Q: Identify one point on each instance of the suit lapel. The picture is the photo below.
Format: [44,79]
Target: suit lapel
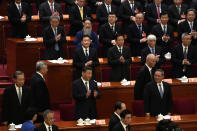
[129,7]
[51,31]
[157,90]
[84,87]
[48,8]
[82,54]
[164,90]
[17,10]
[15,93]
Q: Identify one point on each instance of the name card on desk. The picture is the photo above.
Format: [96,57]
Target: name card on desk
[176,118]
[192,79]
[100,60]
[105,84]
[168,81]
[132,82]
[100,122]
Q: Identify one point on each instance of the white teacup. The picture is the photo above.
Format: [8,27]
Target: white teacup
[28,36]
[87,121]
[80,121]
[12,126]
[60,59]
[160,117]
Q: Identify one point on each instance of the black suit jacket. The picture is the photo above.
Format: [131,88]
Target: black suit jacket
[125,12]
[151,13]
[18,28]
[134,36]
[153,103]
[184,27]
[50,41]
[177,59]
[40,93]
[119,70]
[45,13]
[84,107]
[42,127]
[174,14]
[143,77]
[102,14]
[158,51]
[158,32]
[76,20]
[12,110]
[106,35]
[119,127]
[113,121]
[79,60]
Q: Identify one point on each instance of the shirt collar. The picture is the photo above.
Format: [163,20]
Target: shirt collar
[124,126]
[117,115]
[40,74]
[190,22]
[149,68]
[130,2]
[47,126]
[17,86]
[160,84]
[111,25]
[163,25]
[151,47]
[50,3]
[84,80]
[184,46]
[138,25]
[157,5]
[119,47]
[17,4]
[80,7]
[84,49]
[107,5]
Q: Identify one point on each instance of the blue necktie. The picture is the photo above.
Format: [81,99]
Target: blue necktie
[86,55]
[56,44]
[153,51]
[133,10]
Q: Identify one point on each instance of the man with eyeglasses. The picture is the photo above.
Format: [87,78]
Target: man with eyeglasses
[48,124]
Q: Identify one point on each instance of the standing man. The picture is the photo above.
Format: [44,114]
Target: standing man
[19,14]
[16,101]
[85,56]
[119,58]
[40,93]
[115,118]
[53,38]
[85,92]
[157,96]
[144,76]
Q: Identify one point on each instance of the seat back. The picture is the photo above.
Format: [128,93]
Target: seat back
[67,112]
[138,107]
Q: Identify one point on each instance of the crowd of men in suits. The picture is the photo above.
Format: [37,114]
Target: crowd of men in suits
[149,26]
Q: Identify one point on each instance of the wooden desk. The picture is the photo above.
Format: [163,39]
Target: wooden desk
[188,123]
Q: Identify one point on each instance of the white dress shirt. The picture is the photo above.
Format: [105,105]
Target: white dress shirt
[17,5]
[107,7]
[40,74]
[124,126]
[52,5]
[150,69]
[85,83]
[119,48]
[184,48]
[117,115]
[84,50]
[161,86]
[17,90]
[47,126]
[131,4]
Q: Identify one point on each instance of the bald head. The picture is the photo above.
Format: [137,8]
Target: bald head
[150,60]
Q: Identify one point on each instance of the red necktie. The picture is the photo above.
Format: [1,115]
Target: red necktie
[158,11]
[52,9]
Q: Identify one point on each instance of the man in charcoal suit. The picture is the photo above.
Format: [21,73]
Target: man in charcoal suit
[85,92]
[119,58]
[19,14]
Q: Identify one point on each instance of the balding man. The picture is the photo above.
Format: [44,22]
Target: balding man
[144,76]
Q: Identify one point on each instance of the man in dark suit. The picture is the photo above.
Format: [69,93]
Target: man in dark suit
[40,93]
[189,26]
[47,9]
[53,38]
[128,9]
[108,33]
[48,124]
[19,14]
[157,96]
[16,101]
[77,14]
[137,33]
[87,30]
[115,118]
[144,76]
[85,92]
[85,56]
[164,33]
[153,49]
[183,56]
[119,58]
[177,12]
[103,11]
[124,124]
[153,12]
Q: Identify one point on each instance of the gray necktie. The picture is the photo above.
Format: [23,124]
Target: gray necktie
[20,9]
[179,9]
[160,91]
[185,53]
[86,84]
[56,44]
[49,128]
[164,29]
[19,95]
[108,9]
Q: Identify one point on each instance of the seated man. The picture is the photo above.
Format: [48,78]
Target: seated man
[153,49]
[164,33]
[87,30]
[16,101]
[77,14]
[53,38]
[183,56]
[157,96]
[48,124]
[19,14]
[124,124]
[48,8]
[85,56]
[167,125]
[119,58]
[144,76]
[40,93]
[85,92]
[108,33]
[115,118]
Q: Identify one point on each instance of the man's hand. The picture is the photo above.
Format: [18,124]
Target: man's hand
[95,93]
[56,13]
[132,18]
[5,123]
[147,114]
[88,93]
[24,17]
[122,59]
[58,37]
[165,37]
[113,42]
[157,57]
[99,3]
[159,21]
[193,33]
[88,63]
[143,40]
[180,21]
